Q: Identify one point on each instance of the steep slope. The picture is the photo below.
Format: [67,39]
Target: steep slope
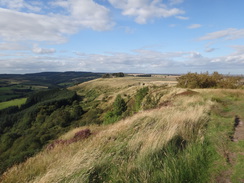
[175,135]
[162,144]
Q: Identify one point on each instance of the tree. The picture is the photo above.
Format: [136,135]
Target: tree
[119,74]
[119,105]
[106,76]
[141,93]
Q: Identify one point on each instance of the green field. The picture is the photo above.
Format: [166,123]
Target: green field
[15,102]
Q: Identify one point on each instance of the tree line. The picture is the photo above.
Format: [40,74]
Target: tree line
[25,130]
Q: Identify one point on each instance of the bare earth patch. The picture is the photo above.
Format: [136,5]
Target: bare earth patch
[239,132]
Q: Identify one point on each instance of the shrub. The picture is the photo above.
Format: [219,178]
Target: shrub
[106,76]
[119,107]
[204,80]
[119,74]
[141,93]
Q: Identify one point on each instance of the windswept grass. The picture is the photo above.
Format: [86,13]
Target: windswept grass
[166,144]
[115,86]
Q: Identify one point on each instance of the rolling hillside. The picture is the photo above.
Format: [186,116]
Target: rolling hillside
[143,130]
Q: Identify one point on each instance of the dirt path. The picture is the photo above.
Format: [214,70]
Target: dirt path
[238,136]
[239,132]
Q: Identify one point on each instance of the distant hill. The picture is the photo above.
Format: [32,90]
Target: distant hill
[51,78]
[14,86]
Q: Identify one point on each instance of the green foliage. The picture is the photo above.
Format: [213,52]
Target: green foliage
[178,161]
[204,80]
[24,131]
[151,101]
[119,107]
[13,86]
[106,75]
[110,118]
[141,93]
[119,74]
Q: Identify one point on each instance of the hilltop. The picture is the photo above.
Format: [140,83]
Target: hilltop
[136,129]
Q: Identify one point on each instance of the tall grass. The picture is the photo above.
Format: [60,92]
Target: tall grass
[161,145]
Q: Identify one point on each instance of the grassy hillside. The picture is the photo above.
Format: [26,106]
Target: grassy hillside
[164,134]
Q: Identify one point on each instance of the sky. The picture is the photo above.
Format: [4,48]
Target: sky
[131,36]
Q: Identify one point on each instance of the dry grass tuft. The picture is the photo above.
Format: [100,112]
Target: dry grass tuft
[123,144]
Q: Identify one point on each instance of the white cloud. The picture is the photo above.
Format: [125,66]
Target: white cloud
[239,49]
[36,49]
[145,10]
[209,49]
[18,26]
[229,34]
[174,2]
[141,60]
[19,4]
[87,13]
[194,26]
[182,18]
[12,46]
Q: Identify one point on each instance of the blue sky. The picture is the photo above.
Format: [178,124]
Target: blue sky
[133,36]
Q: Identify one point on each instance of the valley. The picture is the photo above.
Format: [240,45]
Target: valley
[141,129]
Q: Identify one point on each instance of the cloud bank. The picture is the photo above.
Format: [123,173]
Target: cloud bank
[53,27]
[141,61]
[228,34]
[146,10]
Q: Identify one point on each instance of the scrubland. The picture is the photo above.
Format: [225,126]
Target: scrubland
[175,135]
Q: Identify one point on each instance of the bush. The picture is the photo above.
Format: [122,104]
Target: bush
[204,80]
[119,74]
[119,107]
[141,93]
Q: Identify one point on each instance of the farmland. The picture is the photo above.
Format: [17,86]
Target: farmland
[13,86]
[14,102]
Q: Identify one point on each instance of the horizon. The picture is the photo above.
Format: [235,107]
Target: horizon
[97,72]
[133,36]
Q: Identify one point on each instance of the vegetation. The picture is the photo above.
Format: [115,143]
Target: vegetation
[119,74]
[141,93]
[15,102]
[119,107]
[162,145]
[131,130]
[204,80]
[229,157]
[44,116]
[14,86]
